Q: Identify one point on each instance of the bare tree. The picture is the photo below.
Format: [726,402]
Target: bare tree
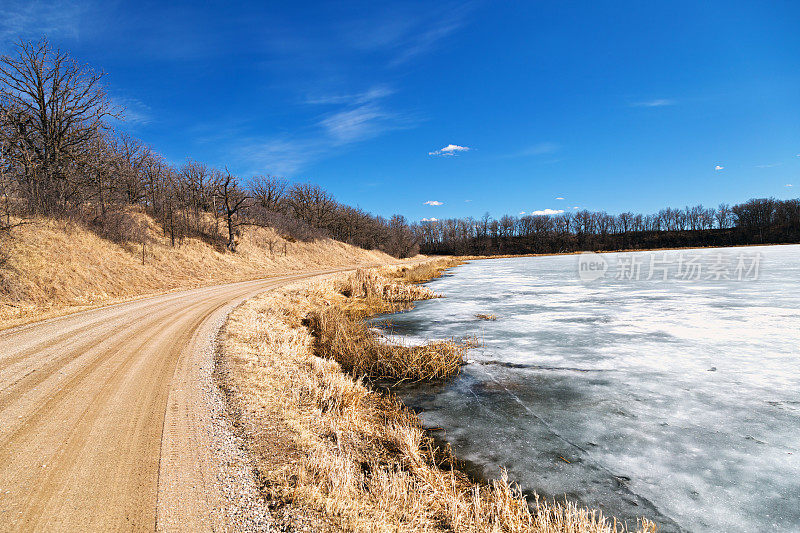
[269,192]
[233,200]
[723,216]
[311,204]
[56,107]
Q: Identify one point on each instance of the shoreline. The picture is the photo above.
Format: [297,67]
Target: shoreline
[267,337]
[620,251]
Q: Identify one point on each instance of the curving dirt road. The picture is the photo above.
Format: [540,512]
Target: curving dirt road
[102,421]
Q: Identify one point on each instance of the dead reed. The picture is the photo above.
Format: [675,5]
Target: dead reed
[358,349]
[425,271]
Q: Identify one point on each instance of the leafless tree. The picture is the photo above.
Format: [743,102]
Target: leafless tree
[232,201]
[723,216]
[269,192]
[311,204]
[56,107]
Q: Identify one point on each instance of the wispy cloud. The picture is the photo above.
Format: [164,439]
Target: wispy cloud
[450,149]
[559,197]
[422,42]
[547,212]
[538,149]
[34,18]
[405,32]
[363,115]
[279,155]
[718,167]
[134,111]
[789,185]
[356,124]
[658,102]
[360,116]
[375,93]
[769,165]
[434,203]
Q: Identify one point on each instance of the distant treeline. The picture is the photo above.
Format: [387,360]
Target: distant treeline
[60,157]
[757,221]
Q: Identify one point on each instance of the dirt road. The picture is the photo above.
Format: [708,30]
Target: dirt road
[102,418]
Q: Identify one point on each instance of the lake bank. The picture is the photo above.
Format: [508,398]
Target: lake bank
[327,445]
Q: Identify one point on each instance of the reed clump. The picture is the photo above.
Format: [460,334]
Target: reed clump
[369,292]
[359,350]
[422,272]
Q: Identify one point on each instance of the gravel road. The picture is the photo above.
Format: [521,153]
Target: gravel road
[109,419]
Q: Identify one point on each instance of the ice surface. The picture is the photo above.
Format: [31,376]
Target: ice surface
[676,399]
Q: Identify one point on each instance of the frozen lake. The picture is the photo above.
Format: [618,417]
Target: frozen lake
[667,387]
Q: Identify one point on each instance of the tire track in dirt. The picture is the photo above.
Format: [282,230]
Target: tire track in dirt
[102,423]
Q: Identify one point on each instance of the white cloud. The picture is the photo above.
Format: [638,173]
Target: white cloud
[547,212]
[430,219]
[450,149]
[559,197]
[433,202]
[770,165]
[658,102]
[718,167]
[789,185]
[576,207]
[521,213]
[468,201]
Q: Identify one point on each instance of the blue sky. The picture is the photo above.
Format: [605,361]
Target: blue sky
[471,107]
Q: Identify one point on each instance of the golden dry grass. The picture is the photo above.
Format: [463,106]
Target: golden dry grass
[369,292]
[358,349]
[55,265]
[325,442]
[422,272]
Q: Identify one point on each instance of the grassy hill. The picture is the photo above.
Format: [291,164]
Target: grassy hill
[48,267]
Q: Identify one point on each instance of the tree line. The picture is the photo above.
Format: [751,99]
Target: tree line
[757,221]
[61,157]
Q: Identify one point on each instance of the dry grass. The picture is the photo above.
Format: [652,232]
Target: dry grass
[342,335]
[423,272]
[324,442]
[358,349]
[369,292]
[483,316]
[52,266]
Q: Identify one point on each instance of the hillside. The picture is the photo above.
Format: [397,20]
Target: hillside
[48,266]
